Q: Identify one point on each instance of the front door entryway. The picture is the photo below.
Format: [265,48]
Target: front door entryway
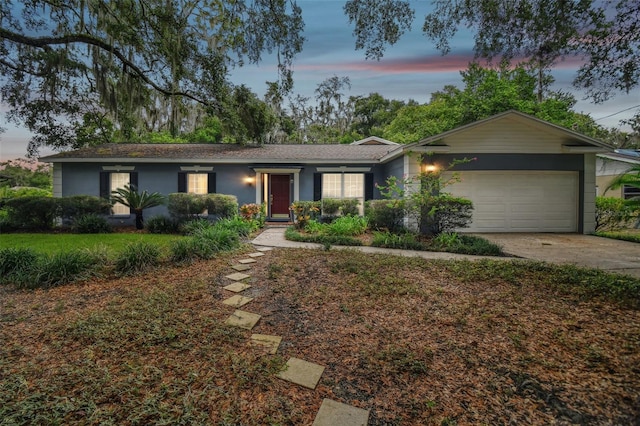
[279,196]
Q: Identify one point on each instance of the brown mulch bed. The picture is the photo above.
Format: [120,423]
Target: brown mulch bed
[409,339]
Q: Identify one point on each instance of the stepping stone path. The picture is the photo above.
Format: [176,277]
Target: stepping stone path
[302,373]
[334,413]
[297,371]
[241,268]
[271,343]
[237,287]
[237,301]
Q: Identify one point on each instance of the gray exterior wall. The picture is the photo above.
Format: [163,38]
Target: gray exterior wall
[84,179]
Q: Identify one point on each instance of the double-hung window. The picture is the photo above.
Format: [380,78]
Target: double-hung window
[110,181]
[344,186]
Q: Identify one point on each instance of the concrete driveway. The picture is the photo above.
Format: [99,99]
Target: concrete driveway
[584,250]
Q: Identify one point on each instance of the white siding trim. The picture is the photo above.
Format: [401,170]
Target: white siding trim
[589,197]
[57,180]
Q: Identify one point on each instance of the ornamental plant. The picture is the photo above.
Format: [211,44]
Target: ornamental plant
[303,212]
[431,209]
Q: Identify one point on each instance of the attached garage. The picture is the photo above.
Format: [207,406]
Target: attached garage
[518,201]
[521,173]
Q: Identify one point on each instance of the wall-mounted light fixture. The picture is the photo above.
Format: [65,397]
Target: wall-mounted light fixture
[430,168]
[249,180]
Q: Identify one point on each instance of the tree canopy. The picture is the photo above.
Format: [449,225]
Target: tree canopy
[73,70]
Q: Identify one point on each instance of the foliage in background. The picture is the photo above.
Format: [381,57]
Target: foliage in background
[26,173]
[339,206]
[613,213]
[162,225]
[631,177]
[31,212]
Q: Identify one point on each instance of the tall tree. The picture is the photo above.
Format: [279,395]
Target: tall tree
[136,64]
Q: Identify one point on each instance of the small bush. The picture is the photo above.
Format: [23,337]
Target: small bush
[613,213]
[348,225]
[445,213]
[79,205]
[221,205]
[386,214]
[327,240]
[16,264]
[91,224]
[194,226]
[405,241]
[32,213]
[136,258]
[162,225]
[188,249]
[184,206]
[304,211]
[340,207]
[218,238]
[243,227]
[63,268]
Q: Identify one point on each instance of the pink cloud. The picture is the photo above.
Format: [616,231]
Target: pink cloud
[427,64]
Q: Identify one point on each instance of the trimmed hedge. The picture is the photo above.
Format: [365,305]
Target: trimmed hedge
[185,206]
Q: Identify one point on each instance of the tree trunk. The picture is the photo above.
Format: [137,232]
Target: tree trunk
[139,220]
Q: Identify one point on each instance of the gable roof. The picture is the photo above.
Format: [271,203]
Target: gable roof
[577,142]
[223,153]
[373,140]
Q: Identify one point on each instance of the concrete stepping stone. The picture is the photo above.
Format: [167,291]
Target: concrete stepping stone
[302,373]
[264,248]
[237,287]
[256,254]
[243,319]
[241,268]
[334,413]
[246,261]
[237,276]
[271,343]
[237,301]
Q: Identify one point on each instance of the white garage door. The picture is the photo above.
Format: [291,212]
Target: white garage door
[520,201]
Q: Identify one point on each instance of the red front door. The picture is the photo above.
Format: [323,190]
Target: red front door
[280,195]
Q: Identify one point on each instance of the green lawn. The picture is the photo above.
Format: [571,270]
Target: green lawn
[54,243]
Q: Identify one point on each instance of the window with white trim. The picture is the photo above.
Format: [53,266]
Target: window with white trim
[344,185]
[119,180]
[197,183]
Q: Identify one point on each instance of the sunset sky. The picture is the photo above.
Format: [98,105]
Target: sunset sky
[412,69]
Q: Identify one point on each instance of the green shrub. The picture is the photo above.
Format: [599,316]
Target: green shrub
[183,206]
[91,224]
[32,213]
[221,205]
[17,264]
[243,227]
[445,213]
[218,238]
[63,268]
[386,214]
[315,227]
[405,241]
[188,249]
[304,211]
[77,205]
[327,240]
[336,207]
[347,225]
[162,225]
[471,244]
[613,213]
[136,258]
[620,235]
[193,226]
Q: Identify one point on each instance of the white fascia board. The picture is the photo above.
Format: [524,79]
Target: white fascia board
[583,149]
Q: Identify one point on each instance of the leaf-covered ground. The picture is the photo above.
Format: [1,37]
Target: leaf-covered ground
[414,341]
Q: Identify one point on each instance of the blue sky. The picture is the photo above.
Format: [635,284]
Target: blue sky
[411,69]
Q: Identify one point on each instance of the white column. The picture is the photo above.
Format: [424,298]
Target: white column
[589,196]
[258,184]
